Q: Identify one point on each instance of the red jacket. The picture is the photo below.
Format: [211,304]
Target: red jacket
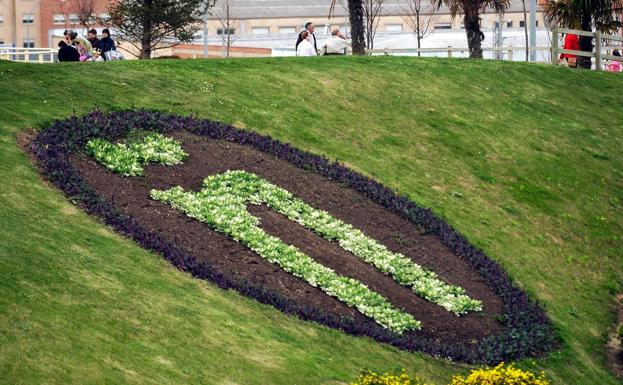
[571,42]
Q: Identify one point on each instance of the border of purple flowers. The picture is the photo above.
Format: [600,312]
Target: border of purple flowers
[528,331]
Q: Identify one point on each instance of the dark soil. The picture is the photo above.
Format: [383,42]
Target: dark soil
[207,157]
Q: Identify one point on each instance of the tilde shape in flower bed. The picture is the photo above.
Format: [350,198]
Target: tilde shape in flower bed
[527,331]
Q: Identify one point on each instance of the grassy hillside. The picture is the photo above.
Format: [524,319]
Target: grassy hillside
[525,160]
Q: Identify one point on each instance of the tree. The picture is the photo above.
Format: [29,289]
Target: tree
[371,11]
[85,11]
[357,29]
[228,23]
[418,21]
[471,10]
[525,28]
[584,14]
[150,25]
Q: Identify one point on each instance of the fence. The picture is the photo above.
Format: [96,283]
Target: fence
[27,55]
[506,53]
[598,55]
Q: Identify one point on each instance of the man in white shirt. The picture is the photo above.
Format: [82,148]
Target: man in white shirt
[309,27]
[337,44]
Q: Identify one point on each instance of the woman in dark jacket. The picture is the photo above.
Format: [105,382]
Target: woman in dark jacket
[67,52]
[106,43]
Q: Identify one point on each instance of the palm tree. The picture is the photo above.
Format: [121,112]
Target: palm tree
[583,14]
[471,19]
[357,31]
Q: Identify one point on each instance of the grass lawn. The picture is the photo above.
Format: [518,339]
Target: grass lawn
[524,160]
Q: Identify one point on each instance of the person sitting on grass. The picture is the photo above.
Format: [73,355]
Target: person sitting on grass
[337,44]
[82,45]
[67,53]
[106,43]
[92,38]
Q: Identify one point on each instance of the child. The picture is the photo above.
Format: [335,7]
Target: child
[615,66]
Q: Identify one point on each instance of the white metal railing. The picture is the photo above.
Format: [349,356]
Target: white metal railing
[600,52]
[450,51]
[28,55]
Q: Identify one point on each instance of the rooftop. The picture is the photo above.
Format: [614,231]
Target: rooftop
[273,9]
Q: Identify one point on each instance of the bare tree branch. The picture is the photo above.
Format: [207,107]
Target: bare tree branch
[371,11]
[228,24]
[418,14]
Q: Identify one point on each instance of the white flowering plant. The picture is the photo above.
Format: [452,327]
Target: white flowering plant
[222,205]
[129,159]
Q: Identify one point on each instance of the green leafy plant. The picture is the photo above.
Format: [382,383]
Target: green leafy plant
[222,204]
[129,159]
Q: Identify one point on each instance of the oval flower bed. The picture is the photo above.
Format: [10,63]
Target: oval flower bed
[525,330]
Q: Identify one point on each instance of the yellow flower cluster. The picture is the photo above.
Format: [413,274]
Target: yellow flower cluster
[500,375]
[371,378]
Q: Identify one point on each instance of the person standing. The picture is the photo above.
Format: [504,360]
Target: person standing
[571,42]
[305,48]
[337,44]
[309,27]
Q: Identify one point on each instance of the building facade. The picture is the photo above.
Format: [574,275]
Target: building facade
[35,23]
[39,23]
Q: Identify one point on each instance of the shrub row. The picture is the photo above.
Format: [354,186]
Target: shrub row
[527,332]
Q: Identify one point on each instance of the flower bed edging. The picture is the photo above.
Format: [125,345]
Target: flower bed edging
[528,331]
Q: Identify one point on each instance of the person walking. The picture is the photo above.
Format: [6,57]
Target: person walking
[309,27]
[305,48]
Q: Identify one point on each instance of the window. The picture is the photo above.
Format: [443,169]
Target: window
[28,18]
[1,42]
[73,18]
[393,28]
[59,18]
[290,30]
[226,31]
[509,24]
[260,30]
[29,43]
[1,19]
[443,26]
[523,23]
